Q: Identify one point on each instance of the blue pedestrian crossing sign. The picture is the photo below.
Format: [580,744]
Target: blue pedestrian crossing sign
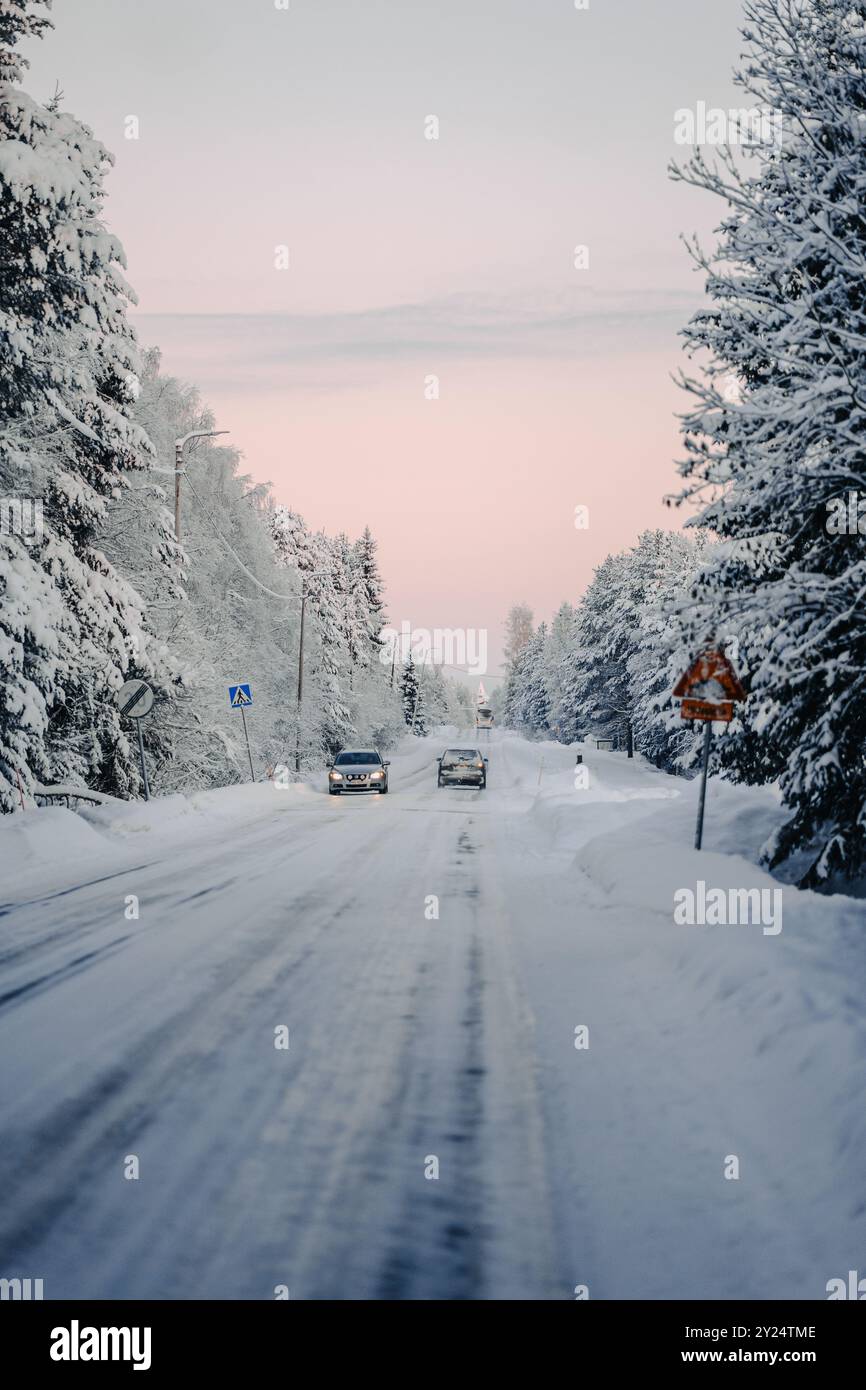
[240,696]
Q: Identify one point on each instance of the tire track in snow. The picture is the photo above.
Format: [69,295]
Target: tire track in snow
[438,1250]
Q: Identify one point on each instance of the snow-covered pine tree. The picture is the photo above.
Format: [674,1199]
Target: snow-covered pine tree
[670,629]
[352,598]
[533,705]
[292,541]
[512,692]
[373,603]
[375,705]
[435,696]
[559,641]
[776,442]
[71,629]
[518,632]
[411,697]
[595,677]
[327,720]
[329,664]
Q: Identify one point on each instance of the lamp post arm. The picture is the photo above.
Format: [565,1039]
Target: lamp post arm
[179,446]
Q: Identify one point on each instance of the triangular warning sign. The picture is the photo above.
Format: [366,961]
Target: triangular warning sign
[710,677]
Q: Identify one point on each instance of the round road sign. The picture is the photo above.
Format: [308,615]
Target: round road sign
[134,699]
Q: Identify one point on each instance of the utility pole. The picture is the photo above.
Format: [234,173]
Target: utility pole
[300,677]
[179,446]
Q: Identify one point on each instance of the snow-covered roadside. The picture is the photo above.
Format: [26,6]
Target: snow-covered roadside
[707,1040]
[57,846]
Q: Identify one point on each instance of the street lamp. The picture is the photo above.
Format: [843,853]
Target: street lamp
[179,445]
[314,574]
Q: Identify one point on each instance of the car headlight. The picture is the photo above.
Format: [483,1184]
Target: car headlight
[336,776]
[376,774]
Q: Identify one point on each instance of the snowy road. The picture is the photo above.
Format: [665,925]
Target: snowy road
[414,1037]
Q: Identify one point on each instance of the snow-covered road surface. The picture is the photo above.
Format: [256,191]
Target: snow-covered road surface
[413,1037]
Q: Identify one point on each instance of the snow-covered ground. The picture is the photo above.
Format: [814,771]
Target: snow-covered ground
[414,1036]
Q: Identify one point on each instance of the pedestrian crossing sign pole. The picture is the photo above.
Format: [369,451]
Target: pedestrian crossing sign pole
[241,697]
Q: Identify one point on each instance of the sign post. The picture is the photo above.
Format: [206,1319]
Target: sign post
[708,691]
[241,697]
[705,763]
[135,700]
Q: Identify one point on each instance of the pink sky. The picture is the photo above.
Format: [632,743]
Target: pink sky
[471,496]
[259,127]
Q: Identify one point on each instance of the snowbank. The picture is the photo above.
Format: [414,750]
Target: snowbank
[45,835]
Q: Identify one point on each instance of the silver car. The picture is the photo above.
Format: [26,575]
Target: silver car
[358,770]
[462,767]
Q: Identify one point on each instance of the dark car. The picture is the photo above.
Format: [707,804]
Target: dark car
[358,770]
[462,767]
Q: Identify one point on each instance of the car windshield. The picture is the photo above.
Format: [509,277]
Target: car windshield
[460,755]
[355,759]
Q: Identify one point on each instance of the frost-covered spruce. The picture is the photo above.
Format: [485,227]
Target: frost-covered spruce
[671,626]
[776,440]
[596,682]
[518,633]
[71,629]
[373,603]
[351,600]
[529,707]
[559,643]
[330,663]
[617,655]
[292,541]
[412,698]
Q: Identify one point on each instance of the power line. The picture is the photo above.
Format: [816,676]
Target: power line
[284,598]
[287,598]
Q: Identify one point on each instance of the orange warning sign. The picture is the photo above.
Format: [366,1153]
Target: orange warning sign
[708,710]
[711,677]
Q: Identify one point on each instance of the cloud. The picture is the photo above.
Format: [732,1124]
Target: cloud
[256,349]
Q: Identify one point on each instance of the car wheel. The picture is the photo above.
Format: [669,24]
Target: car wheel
[333,791]
[439,781]
[484,784]
[383,791]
